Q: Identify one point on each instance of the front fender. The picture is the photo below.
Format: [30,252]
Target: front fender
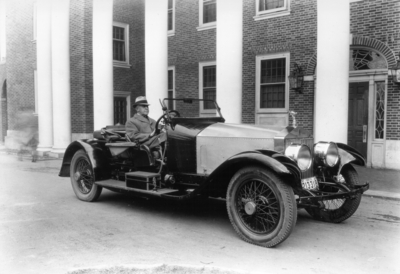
[95,150]
[349,155]
[278,163]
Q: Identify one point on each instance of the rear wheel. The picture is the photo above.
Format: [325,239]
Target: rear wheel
[82,178]
[261,208]
[338,210]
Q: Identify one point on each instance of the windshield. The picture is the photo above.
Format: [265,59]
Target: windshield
[193,108]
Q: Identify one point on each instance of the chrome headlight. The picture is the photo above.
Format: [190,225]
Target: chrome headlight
[326,153]
[301,154]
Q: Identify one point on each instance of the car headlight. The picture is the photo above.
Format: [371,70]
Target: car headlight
[326,153]
[301,154]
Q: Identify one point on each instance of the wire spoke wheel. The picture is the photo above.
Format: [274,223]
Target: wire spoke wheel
[83,178]
[257,206]
[261,207]
[338,210]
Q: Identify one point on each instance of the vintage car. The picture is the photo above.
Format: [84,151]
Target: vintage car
[265,174]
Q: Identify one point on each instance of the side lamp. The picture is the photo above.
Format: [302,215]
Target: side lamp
[395,72]
[296,78]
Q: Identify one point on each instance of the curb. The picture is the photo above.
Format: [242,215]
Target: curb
[382,195]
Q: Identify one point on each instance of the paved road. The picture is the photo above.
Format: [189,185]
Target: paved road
[45,229]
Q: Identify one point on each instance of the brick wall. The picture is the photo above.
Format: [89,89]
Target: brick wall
[21,59]
[81,49]
[132,79]
[294,33]
[187,48]
[81,64]
[380,20]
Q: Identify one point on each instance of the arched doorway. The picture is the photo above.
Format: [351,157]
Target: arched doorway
[367,103]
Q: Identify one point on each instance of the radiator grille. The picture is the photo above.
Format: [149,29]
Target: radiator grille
[304,141]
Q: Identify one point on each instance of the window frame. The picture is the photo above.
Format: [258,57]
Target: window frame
[127,95]
[204,26]
[123,64]
[260,15]
[260,58]
[172,68]
[172,31]
[203,111]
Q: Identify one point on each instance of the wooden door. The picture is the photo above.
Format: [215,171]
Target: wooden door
[358,117]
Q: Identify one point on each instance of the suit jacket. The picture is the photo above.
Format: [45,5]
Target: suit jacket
[138,128]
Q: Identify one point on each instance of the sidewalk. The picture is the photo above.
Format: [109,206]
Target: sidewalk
[384,183]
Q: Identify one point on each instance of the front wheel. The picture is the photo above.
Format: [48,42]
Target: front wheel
[82,178]
[338,210]
[261,208]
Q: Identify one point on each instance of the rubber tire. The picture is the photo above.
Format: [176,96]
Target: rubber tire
[348,208]
[95,191]
[287,203]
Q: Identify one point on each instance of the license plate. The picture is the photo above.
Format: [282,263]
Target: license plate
[309,183]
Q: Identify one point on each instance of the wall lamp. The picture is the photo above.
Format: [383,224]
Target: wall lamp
[395,72]
[296,78]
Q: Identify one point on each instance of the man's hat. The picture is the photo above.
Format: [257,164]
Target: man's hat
[141,101]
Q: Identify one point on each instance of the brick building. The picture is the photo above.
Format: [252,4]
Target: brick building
[67,65]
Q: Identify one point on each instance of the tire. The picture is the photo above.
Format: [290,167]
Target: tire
[262,209]
[83,178]
[338,210]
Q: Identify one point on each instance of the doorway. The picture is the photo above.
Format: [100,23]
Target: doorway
[358,117]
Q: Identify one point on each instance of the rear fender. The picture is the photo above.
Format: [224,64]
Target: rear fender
[97,153]
[281,165]
[349,155]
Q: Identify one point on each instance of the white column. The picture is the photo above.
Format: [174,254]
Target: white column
[156,54]
[61,75]
[2,30]
[43,51]
[229,59]
[103,86]
[331,95]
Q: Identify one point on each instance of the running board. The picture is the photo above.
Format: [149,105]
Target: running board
[116,184]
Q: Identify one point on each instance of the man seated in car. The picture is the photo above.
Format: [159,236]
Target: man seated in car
[141,128]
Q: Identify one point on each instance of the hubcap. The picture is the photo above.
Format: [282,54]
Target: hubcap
[257,206]
[250,208]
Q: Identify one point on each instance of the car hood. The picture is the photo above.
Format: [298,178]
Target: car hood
[241,131]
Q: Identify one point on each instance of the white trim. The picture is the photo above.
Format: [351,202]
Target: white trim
[202,26]
[123,64]
[173,85]
[205,112]
[127,95]
[260,58]
[172,31]
[35,83]
[266,14]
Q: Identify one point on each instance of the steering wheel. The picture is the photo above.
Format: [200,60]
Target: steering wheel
[167,120]
[174,113]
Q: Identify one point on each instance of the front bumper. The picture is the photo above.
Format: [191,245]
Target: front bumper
[319,196]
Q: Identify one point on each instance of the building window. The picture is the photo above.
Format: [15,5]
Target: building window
[380,110]
[171,87]
[208,86]
[271,8]
[121,44]
[122,111]
[207,14]
[272,88]
[171,17]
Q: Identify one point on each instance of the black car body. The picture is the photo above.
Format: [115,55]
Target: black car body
[265,174]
